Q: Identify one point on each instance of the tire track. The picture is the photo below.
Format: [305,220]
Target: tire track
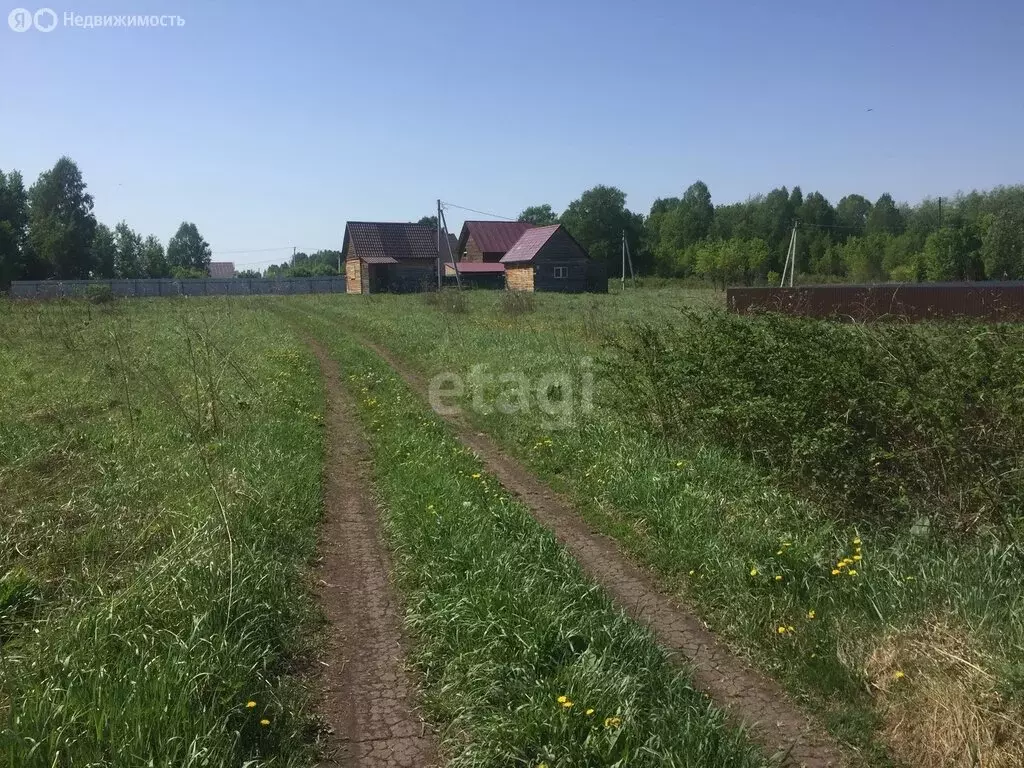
[748,697]
[368,699]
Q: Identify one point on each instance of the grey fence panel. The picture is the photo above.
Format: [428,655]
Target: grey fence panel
[53,289]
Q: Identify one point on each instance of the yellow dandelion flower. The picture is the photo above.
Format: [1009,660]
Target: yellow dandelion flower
[811,614]
[264,722]
[835,571]
[612,722]
[778,578]
[589,712]
[857,558]
[753,571]
[857,541]
[567,704]
[562,699]
[852,573]
[898,674]
[476,475]
[250,705]
[782,630]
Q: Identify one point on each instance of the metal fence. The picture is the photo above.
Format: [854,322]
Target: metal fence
[233,286]
[984,301]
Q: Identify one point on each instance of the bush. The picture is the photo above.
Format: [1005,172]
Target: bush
[447,300]
[99,294]
[517,302]
[902,422]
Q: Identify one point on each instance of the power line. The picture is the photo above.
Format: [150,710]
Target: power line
[474,210]
[254,250]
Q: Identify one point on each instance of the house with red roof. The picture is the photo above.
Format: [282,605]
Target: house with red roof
[549,259]
[485,242]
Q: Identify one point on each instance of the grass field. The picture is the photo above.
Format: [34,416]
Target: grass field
[917,655]
[159,498]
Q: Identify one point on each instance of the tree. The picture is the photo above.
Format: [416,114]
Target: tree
[1002,245]
[128,252]
[428,221]
[688,223]
[187,249]
[153,259]
[865,256]
[598,219]
[104,251]
[945,255]
[14,258]
[852,216]
[253,274]
[885,218]
[539,215]
[61,221]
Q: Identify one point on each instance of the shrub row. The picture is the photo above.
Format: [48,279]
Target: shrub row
[907,423]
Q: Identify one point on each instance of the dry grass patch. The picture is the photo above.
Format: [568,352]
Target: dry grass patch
[940,705]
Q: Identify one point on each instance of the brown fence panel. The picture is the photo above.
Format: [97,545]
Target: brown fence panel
[983,301]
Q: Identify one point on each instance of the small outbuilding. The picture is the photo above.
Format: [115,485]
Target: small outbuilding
[389,257]
[550,259]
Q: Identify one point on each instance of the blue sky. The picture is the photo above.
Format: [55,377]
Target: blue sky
[271,124]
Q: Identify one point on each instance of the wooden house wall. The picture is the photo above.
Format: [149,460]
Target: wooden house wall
[561,251]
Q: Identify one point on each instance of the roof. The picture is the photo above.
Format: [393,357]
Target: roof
[378,260]
[493,236]
[397,240]
[530,244]
[476,267]
[222,269]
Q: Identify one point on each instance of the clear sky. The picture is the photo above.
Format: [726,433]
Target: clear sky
[271,124]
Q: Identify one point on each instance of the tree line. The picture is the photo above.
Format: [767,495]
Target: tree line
[974,236]
[49,231]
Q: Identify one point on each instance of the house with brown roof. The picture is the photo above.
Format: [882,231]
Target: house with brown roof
[390,257]
[550,259]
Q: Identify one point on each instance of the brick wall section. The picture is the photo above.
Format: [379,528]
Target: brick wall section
[519,277]
[473,252]
[353,276]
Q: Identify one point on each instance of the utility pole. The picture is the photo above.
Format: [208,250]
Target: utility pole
[442,221]
[293,256]
[790,258]
[940,212]
[623,259]
[439,244]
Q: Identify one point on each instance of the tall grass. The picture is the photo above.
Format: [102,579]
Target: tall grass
[159,495]
[905,423]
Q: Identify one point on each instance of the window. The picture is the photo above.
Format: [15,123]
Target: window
[561,272]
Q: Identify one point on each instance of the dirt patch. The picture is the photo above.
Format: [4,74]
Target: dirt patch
[748,697]
[368,700]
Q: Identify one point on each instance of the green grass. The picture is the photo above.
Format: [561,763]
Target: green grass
[159,497]
[503,621]
[704,519]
